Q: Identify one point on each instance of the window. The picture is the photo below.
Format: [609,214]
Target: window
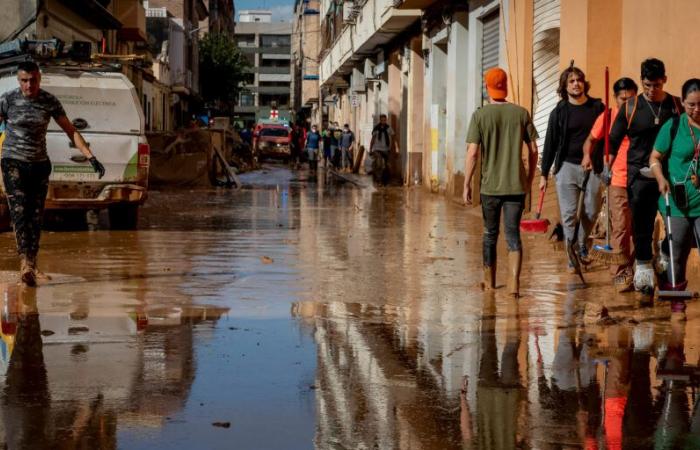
[281,100]
[245,40]
[275,132]
[246,99]
[272,40]
[274,84]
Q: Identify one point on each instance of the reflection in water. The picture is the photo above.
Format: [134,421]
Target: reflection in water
[65,387]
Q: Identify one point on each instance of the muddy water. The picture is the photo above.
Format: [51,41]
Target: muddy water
[299,315]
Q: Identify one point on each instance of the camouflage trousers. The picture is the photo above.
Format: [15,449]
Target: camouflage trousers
[26,185]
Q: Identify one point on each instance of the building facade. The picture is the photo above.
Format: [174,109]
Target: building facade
[421,62]
[267,47]
[306,47]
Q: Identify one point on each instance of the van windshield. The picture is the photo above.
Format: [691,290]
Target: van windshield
[274,132]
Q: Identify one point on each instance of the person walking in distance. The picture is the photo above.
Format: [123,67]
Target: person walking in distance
[311,145]
[640,120]
[346,140]
[620,215]
[380,146]
[569,125]
[499,130]
[25,164]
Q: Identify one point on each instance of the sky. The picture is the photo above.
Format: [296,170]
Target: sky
[281,9]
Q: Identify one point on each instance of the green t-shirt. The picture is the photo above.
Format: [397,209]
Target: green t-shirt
[500,130]
[678,164]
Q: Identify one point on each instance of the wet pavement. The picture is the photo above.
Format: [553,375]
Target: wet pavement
[293,315]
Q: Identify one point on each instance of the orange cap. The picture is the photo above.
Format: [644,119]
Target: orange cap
[496,81]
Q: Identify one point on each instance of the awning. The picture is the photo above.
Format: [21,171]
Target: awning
[95,13]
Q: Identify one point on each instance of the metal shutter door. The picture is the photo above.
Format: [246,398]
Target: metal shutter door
[545,63]
[489,47]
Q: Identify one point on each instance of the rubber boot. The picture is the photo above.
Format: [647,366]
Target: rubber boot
[489,278]
[515,260]
[26,270]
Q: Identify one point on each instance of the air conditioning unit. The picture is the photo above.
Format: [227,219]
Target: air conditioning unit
[348,12]
[358,82]
[369,70]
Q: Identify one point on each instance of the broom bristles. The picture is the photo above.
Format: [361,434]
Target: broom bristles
[606,255]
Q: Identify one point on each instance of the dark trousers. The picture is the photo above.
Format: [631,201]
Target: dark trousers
[491,207]
[26,185]
[643,200]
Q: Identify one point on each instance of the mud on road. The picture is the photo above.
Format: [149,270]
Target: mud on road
[294,314]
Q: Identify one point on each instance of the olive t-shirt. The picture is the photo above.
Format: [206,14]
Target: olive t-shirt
[679,163]
[27,120]
[501,130]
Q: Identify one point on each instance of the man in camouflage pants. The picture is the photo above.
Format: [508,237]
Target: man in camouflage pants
[25,164]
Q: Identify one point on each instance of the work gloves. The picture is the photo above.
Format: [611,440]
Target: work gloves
[99,168]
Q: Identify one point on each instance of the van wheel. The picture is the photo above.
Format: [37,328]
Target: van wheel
[5,222]
[123,217]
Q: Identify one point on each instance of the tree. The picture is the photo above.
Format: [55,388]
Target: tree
[222,69]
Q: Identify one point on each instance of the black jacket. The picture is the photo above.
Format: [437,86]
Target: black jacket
[555,141]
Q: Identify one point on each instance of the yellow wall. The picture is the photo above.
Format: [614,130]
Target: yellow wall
[665,30]
[622,33]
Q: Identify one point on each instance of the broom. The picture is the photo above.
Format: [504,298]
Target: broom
[536,225]
[605,253]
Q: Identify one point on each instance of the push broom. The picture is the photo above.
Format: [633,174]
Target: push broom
[536,225]
[674,293]
[605,253]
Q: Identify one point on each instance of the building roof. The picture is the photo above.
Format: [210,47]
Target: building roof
[263,28]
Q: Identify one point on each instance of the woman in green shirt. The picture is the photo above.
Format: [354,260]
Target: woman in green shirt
[679,143]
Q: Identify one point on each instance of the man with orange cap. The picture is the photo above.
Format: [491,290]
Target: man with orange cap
[499,130]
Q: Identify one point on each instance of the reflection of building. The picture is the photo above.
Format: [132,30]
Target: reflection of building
[75,373]
[267,46]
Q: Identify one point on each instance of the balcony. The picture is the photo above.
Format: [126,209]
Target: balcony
[274,70]
[132,15]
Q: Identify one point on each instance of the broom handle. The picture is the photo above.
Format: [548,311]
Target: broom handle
[670,239]
[606,134]
[540,202]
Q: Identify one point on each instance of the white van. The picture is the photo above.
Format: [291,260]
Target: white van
[105,108]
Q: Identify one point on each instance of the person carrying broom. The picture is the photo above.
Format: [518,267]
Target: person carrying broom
[620,216]
[499,130]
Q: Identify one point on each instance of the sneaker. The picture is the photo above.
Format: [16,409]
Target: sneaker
[644,277]
[624,282]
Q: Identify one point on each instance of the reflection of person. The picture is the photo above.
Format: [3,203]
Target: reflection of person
[26,399]
[640,120]
[569,125]
[678,142]
[499,131]
[27,111]
[620,216]
[499,391]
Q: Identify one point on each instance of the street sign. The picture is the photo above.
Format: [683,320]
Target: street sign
[354,100]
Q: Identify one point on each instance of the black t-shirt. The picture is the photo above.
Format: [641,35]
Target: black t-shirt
[579,123]
[643,129]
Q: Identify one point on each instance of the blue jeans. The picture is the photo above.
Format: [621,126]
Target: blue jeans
[491,207]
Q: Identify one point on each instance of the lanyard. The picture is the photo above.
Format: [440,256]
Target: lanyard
[694,163]
[696,144]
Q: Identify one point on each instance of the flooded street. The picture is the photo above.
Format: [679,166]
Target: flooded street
[299,315]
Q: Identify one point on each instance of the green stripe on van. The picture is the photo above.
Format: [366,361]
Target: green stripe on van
[131,170]
[73,169]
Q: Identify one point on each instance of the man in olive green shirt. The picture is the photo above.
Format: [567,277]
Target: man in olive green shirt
[499,129]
